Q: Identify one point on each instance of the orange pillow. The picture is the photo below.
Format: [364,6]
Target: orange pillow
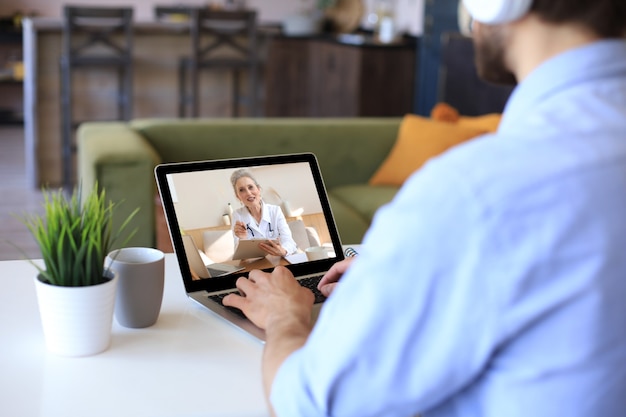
[446,113]
[419,139]
[488,122]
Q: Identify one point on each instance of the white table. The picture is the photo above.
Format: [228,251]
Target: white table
[189,363]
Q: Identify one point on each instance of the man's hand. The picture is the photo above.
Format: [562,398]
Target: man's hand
[277,303]
[272,297]
[329,280]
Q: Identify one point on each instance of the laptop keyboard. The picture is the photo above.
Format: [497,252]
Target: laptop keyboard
[309,282]
[218,299]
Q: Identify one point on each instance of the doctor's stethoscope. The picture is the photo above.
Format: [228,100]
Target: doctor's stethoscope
[269,227]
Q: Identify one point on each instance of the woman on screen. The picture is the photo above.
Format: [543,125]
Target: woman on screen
[257,219]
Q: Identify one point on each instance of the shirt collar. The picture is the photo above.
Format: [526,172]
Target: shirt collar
[265,213]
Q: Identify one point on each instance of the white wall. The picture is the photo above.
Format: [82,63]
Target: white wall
[203,197]
[409,12]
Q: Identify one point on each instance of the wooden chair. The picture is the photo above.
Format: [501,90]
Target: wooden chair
[94,37]
[220,40]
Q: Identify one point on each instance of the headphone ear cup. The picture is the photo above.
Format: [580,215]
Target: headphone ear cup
[464,20]
[494,12]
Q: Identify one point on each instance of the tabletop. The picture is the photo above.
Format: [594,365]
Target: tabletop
[190,363]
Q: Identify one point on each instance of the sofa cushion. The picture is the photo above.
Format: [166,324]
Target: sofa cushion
[419,139]
[364,199]
[350,225]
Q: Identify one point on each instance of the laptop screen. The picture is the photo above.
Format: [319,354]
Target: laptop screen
[201,207]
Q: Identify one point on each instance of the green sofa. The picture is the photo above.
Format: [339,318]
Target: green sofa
[121,156]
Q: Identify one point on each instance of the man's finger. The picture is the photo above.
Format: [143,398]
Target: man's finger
[255,275]
[328,288]
[245,285]
[234,300]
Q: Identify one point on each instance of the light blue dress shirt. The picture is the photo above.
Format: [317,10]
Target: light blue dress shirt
[494,284]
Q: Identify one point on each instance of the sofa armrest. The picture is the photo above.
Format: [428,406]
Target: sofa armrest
[121,161]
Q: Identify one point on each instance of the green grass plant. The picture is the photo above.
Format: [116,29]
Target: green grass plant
[75,234]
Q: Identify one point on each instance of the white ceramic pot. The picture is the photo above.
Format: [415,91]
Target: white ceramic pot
[76,321]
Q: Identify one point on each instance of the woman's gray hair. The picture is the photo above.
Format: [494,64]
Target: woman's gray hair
[242,173]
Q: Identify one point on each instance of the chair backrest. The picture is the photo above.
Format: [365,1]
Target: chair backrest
[459,83]
[234,33]
[304,236]
[218,245]
[94,33]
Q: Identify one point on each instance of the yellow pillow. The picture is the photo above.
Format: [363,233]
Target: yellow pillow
[488,122]
[419,139]
[444,112]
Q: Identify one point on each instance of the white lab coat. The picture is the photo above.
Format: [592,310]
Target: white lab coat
[273,225]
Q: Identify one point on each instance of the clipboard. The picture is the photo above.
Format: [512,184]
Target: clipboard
[249,248]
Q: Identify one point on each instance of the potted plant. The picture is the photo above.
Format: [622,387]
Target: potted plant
[75,292]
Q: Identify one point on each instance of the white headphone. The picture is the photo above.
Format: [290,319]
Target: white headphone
[494,12]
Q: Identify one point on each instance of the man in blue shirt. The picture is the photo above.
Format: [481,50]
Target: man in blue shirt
[494,284]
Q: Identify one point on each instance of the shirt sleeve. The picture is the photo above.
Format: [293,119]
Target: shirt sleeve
[404,328]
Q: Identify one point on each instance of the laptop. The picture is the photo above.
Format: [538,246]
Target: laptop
[197,200]
[202,268]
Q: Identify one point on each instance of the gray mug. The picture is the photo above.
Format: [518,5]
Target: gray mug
[141,276]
